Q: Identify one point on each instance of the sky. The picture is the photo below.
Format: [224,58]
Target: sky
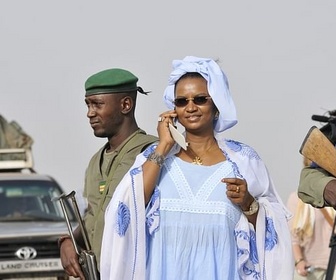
[279,57]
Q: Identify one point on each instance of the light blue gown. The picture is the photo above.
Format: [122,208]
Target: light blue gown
[195,238]
[190,230]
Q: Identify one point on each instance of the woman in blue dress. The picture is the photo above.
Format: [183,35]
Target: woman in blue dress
[208,210]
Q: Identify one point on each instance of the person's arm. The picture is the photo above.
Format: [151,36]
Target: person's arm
[317,187]
[329,193]
[293,203]
[151,168]
[300,263]
[69,257]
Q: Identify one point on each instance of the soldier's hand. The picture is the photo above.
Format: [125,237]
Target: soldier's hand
[69,259]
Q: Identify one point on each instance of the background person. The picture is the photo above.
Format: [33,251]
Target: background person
[311,229]
[212,210]
[317,187]
[111,100]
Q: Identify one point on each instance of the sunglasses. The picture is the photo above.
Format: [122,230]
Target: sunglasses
[198,100]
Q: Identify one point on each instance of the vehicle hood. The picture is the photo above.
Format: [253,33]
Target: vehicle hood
[32,229]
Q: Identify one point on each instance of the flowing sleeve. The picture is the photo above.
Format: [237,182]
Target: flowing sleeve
[264,252]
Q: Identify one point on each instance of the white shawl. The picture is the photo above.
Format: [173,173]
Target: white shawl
[123,255]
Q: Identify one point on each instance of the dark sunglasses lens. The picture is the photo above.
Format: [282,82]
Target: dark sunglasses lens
[200,100]
[181,102]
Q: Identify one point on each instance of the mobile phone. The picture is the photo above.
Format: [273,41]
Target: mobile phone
[178,136]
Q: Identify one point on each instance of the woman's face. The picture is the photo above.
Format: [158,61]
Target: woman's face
[198,114]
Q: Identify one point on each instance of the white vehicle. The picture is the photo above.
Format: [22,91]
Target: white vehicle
[30,222]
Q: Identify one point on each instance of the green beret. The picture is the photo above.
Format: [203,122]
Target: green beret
[111,81]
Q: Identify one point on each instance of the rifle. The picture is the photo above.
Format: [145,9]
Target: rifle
[318,148]
[86,257]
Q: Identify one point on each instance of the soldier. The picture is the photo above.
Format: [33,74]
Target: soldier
[111,101]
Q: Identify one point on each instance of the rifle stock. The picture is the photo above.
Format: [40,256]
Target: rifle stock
[318,148]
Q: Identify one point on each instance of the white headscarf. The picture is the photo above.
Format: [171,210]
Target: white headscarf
[218,88]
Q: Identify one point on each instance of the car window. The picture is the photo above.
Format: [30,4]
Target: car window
[29,200]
